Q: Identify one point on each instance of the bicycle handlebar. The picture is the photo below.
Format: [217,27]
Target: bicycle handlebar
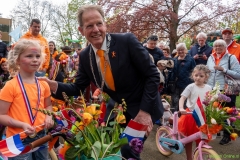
[180,113]
[41,141]
[47,138]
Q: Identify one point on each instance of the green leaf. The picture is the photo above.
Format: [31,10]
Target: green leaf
[103,137]
[107,140]
[107,129]
[119,144]
[70,153]
[96,149]
[112,123]
[237,124]
[79,137]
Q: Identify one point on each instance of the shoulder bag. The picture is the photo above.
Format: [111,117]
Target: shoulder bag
[232,85]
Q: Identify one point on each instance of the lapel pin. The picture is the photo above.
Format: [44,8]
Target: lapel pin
[113,54]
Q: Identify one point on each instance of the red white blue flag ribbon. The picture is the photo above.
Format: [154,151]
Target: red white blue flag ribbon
[134,130]
[66,119]
[12,146]
[199,114]
[26,100]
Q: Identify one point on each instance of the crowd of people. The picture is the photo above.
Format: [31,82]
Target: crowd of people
[115,63]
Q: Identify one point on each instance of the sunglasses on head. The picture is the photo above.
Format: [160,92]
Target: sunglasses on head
[153,38]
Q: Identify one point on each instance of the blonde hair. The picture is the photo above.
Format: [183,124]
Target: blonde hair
[18,49]
[84,8]
[203,68]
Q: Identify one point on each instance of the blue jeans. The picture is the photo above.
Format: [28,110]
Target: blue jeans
[41,154]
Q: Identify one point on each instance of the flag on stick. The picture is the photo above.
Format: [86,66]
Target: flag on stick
[198,113]
[12,146]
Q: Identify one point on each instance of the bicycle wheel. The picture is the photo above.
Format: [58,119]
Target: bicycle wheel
[163,132]
[207,154]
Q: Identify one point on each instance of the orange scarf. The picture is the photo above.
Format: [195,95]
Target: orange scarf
[217,60]
[43,43]
[54,54]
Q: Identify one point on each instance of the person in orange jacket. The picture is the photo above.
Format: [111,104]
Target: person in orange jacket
[33,33]
[232,46]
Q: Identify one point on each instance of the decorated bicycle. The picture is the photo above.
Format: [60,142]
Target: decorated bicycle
[210,120]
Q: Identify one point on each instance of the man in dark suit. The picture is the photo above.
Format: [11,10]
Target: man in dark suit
[135,76]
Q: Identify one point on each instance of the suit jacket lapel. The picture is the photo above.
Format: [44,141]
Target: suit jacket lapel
[113,59]
[96,72]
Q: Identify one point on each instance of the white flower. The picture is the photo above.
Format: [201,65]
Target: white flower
[213,121]
[214,97]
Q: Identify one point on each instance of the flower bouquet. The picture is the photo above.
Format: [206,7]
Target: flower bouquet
[86,138]
[218,115]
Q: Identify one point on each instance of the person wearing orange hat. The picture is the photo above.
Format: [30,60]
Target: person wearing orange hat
[232,46]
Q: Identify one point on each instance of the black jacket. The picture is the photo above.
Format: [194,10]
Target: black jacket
[136,78]
[196,49]
[156,53]
[3,49]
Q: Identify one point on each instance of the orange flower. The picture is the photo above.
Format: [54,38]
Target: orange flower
[213,129]
[55,108]
[233,136]
[92,110]
[87,118]
[77,125]
[215,104]
[121,118]
[81,126]
[63,150]
[225,108]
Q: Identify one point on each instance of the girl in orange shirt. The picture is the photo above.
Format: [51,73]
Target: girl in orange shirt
[21,94]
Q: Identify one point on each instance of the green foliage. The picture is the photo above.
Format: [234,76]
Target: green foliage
[238,102]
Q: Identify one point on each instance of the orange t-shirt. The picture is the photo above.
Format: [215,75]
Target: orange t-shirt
[11,92]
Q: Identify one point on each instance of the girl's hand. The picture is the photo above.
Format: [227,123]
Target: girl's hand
[183,111]
[28,128]
[48,122]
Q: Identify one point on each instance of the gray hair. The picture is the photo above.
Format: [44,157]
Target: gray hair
[84,8]
[220,42]
[201,35]
[182,46]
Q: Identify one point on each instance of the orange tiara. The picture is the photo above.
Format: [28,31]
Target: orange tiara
[3,60]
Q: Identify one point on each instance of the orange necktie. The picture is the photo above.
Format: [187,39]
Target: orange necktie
[108,73]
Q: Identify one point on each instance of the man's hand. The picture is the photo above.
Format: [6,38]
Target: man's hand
[144,118]
[204,57]
[196,56]
[52,84]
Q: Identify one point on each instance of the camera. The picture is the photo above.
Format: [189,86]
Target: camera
[200,55]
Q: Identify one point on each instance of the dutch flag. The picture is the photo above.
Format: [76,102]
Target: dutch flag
[198,113]
[134,130]
[12,146]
